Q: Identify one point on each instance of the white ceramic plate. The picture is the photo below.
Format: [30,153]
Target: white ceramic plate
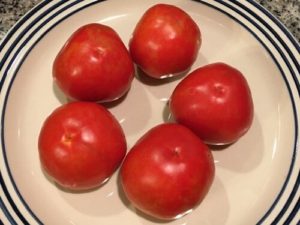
[257,178]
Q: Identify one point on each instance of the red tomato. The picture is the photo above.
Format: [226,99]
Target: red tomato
[81,144]
[165,41]
[215,102]
[168,172]
[94,65]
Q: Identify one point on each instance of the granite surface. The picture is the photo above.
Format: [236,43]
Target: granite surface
[287,11]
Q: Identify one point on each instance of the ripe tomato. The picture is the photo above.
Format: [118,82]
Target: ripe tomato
[168,172]
[81,144]
[215,102]
[94,65]
[165,41]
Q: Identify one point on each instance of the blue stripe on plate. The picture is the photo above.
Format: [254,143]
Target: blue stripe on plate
[279,38]
[25,30]
[13,205]
[10,85]
[297,205]
[16,27]
[20,36]
[278,23]
[6,212]
[24,43]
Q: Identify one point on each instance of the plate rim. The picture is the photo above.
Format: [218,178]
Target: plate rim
[40,6]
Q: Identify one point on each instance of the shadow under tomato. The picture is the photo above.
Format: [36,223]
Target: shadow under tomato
[121,193]
[103,201]
[134,110]
[146,79]
[61,97]
[151,81]
[245,154]
[216,201]
[167,115]
[80,191]
[67,190]
[47,176]
[130,207]
[218,147]
[116,102]
[215,207]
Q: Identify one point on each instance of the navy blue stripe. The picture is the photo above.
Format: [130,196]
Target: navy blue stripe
[285,79]
[297,206]
[278,23]
[25,30]
[277,37]
[16,27]
[20,36]
[6,212]
[11,201]
[13,78]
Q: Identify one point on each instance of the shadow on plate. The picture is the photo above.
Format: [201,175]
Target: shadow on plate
[61,97]
[147,80]
[103,201]
[205,213]
[129,206]
[245,154]
[242,156]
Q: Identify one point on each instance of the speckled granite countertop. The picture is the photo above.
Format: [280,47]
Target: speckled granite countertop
[287,11]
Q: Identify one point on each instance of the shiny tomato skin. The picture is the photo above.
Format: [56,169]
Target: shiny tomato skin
[165,41]
[94,65]
[81,144]
[215,102]
[168,172]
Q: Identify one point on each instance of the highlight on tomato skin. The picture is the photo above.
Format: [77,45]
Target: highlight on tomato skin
[93,65]
[168,172]
[81,145]
[215,102]
[165,41]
